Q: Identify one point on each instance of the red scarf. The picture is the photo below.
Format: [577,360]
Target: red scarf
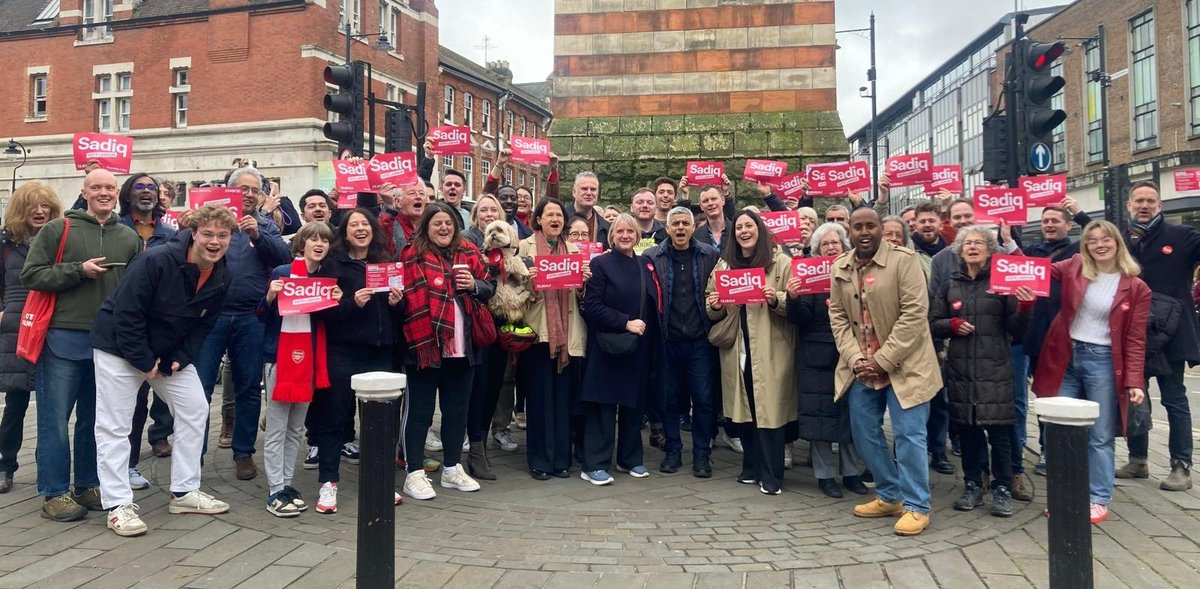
[299,369]
[558,305]
[406,225]
[429,295]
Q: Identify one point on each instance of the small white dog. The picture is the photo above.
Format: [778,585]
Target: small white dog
[508,304]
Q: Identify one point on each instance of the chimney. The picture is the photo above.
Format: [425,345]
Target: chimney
[500,69]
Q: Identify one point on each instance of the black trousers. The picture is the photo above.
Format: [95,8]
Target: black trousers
[762,456]
[606,425]
[485,393]
[331,408]
[148,404]
[547,409]
[12,427]
[450,385]
[974,453]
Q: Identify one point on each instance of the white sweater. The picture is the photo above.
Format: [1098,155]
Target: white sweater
[1091,322]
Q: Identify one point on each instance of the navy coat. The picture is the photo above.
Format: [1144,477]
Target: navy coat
[1167,254]
[611,299]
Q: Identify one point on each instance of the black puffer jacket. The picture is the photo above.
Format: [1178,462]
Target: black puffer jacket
[15,374]
[820,418]
[978,366]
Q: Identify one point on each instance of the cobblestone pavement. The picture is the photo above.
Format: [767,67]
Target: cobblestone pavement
[662,532]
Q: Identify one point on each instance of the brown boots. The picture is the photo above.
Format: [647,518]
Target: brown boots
[478,464]
[1180,478]
[225,440]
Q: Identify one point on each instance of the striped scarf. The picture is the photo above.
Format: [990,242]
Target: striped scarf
[300,358]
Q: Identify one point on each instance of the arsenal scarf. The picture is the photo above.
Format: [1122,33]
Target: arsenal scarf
[300,364]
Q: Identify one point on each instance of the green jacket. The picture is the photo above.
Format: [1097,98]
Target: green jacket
[79,297]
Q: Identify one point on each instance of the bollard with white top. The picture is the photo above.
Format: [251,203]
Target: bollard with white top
[1067,497]
[377,393]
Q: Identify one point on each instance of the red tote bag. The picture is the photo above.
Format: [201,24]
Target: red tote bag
[39,309]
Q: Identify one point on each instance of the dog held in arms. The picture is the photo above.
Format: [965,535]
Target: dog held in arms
[508,304]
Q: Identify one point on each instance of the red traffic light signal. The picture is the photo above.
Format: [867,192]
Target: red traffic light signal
[1043,54]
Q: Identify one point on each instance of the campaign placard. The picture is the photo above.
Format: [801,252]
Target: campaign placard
[1043,191]
[1187,180]
[740,287]
[350,177]
[526,150]
[701,173]
[112,152]
[305,295]
[217,195]
[948,177]
[451,140]
[784,225]
[764,170]
[590,249]
[399,169]
[999,203]
[814,274]
[1011,272]
[347,200]
[170,218]
[558,272]
[914,169]
[838,178]
[790,186]
[381,277]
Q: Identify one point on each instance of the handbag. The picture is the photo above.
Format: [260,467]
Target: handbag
[483,327]
[624,343]
[38,310]
[723,332]
[1138,421]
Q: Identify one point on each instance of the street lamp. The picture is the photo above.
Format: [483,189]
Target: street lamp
[871,75]
[381,43]
[14,149]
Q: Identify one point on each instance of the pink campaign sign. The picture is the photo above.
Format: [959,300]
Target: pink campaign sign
[530,151]
[112,152]
[220,195]
[1011,272]
[813,273]
[740,287]
[398,168]
[996,203]
[450,140]
[1043,191]
[910,170]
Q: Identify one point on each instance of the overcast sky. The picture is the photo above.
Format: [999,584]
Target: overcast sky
[913,38]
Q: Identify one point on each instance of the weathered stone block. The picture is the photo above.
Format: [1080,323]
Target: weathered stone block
[620,146]
[772,120]
[636,125]
[604,125]
[567,127]
[587,146]
[716,144]
[652,146]
[685,145]
[786,142]
[700,123]
[752,144]
[668,124]
[823,143]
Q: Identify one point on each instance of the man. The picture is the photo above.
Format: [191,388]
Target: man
[945,263]
[584,194]
[95,250]
[453,189]
[664,197]
[926,234]
[879,313]
[150,330]
[611,213]
[1168,253]
[642,208]
[315,207]
[254,251]
[507,195]
[716,220]
[683,265]
[410,202]
[909,215]
[838,214]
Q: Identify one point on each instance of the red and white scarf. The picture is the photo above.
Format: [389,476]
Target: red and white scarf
[299,368]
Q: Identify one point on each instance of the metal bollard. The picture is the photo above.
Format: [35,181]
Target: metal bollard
[377,393]
[1070,529]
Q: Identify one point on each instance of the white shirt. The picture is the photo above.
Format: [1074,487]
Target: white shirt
[1091,322]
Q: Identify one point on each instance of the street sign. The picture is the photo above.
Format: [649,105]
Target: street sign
[1039,156]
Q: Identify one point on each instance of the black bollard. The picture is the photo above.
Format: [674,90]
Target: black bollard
[1067,497]
[377,393]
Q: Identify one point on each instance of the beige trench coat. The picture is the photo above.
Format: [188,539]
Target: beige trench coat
[772,343]
[897,297]
[535,309]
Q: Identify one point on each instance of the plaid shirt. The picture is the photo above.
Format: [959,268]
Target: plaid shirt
[868,341]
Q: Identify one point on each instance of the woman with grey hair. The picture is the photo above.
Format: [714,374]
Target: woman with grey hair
[980,325]
[821,420]
[895,231]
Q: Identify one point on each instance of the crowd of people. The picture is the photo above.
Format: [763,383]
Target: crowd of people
[144,316]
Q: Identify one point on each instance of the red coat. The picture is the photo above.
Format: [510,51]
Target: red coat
[1126,321]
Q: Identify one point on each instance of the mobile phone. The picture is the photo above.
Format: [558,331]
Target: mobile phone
[112,264]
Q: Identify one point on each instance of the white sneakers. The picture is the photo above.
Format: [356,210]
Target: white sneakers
[197,502]
[432,442]
[457,478]
[417,486]
[125,522]
[327,498]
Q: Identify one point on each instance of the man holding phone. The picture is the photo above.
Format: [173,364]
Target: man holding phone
[95,248]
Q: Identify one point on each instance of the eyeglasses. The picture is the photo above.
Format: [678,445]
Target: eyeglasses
[140,187]
[978,242]
[250,190]
[579,234]
[1106,240]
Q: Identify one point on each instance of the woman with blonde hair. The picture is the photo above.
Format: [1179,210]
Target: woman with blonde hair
[486,210]
[1095,348]
[31,207]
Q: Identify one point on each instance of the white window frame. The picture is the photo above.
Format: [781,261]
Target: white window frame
[469,110]
[487,117]
[113,95]
[468,170]
[350,10]
[447,161]
[508,175]
[97,11]
[511,117]
[448,104]
[1150,108]
[485,167]
[181,87]
[39,106]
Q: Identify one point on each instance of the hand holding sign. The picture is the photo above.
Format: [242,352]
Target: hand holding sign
[300,296]
[701,173]
[813,275]
[526,150]
[741,287]
[350,177]
[111,152]
[1008,273]
[450,140]
[558,272]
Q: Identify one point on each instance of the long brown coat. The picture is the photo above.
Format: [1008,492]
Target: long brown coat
[899,302]
[535,308]
[772,340]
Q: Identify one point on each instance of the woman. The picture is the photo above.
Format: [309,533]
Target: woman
[895,231]
[756,371]
[822,421]
[290,384]
[980,326]
[578,230]
[30,208]
[166,193]
[486,210]
[489,375]
[1095,347]
[543,369]
[621,297]
[524,204]
[445,280]
[359,332]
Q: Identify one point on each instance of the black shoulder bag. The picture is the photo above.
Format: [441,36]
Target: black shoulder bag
[624,343]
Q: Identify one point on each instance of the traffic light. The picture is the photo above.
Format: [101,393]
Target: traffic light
[996,161]
[1039,87]
[398,131]
[347,102]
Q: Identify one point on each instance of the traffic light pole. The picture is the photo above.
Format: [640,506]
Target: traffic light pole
[1011,104]
[871,75]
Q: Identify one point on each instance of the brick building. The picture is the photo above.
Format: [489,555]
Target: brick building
[486,100]
[642,86]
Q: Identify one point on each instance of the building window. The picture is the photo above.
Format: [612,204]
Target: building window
[509,134]
[1143,77]
[1092,69]
[179,92]
[350,12]
[524,129]
[38,88]
[448,107]
[468,171]
[485,167]
[389,23]
[508,175]
[1192,14]
[487,117]
[114,94]
[522,176]
[95,13]
[447,161]
[469,110]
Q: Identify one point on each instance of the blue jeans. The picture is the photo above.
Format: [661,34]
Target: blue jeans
[688,368]
[1090,376]
[1020,367]
[242,335]
[65,383]
[1179,418]
[905,477]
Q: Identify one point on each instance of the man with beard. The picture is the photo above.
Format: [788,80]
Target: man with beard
[879,314]
[1168,253]
[927,233]
[255,249]
[642,208]
[585,192]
